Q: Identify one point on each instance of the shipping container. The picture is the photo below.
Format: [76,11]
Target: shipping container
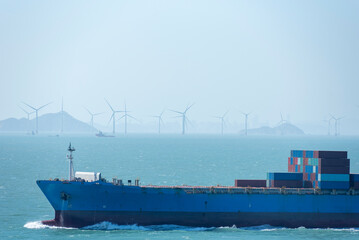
[333,185]
[284,176]
[249,183]
[328,162]
[334,177]
[286,183]
[334,170]
[332,154]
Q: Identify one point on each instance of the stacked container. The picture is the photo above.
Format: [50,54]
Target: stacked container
[322,169]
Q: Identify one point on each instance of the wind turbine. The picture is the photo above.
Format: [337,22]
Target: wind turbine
[113,115]
[246,122]
[92,115]
[125,116]
[221,118]
[329,124]
[281,120]
[184,118]
[337,125]
[28,113]
[159,121]
[36,111]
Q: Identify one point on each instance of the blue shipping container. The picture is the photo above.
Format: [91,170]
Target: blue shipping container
[334,177]
[333,185]
[309,154]
[285,176]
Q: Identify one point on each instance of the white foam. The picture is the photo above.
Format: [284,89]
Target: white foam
[40,225]
[112,226]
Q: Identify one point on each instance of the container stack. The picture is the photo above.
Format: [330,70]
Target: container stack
[288,180]
[311,169]
[322,169]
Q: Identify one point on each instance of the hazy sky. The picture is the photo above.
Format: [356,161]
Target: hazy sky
[300,58]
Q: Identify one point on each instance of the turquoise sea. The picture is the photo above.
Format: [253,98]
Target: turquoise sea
[160,160]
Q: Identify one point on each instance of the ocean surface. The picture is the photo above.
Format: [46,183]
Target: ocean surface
[159,160]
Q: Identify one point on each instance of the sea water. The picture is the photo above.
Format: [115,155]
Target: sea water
[158,160]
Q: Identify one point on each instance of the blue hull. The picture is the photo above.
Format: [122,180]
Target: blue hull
[79,204]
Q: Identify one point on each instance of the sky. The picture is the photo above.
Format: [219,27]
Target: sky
[298,58]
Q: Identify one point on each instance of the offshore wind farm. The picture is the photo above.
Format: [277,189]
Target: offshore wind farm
[172,101]
[166,123]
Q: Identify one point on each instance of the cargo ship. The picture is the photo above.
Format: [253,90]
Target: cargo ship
[318,191]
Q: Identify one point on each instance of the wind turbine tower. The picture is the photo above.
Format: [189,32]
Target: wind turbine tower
[221,118]
[246,122]
[184,118]
[113,115]
[159,121]
[36,111]
[125,116]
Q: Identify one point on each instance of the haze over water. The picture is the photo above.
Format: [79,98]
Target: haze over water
[159,160]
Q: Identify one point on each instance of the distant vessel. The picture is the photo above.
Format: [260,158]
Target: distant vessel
[281,200]
[101,134]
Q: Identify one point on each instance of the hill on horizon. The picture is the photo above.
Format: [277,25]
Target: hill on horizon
[283,129]
[50,122]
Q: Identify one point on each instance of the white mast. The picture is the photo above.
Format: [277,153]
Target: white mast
[71,165]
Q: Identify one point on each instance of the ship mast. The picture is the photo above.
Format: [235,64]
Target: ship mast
[71,165]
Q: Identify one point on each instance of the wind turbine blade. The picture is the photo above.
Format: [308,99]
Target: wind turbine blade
[44,106]
[187,120]
[122,117]
[29,106]
[162,112]
[112,116]
[88,111]
[95,114]
[133,118]
[225,114]
[23,110]
[189,107]
[109,105]
[161,120]
[177,112]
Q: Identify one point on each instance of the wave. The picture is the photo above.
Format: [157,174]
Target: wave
[165,227]
[108,226]
[40,225]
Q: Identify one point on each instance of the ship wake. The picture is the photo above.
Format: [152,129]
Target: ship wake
[40,225]
[108,226]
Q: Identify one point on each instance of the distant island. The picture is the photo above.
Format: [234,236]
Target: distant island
[283,129]
[50,122]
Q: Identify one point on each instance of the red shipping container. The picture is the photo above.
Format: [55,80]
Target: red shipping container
[315,154]
[305,161]
[312,177]
[304,154]
[306,176]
